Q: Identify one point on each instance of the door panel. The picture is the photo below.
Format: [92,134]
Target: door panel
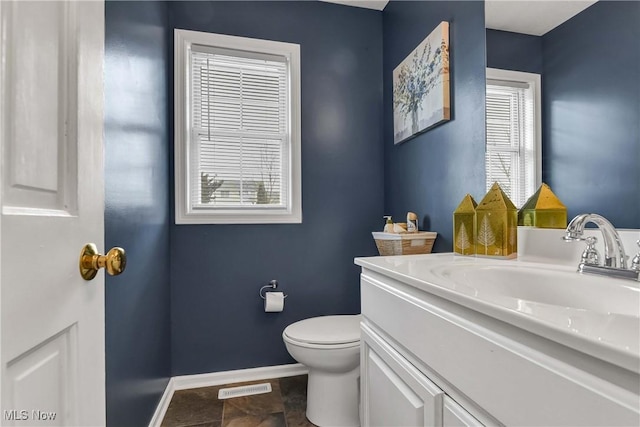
[394,392]
[40,113]
[392,402]
[52,201]
[44,378]
[454,415]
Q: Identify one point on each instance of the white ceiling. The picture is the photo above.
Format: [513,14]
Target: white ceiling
[368,4]
[535,17]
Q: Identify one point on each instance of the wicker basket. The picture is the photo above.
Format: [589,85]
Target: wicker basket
[404,243]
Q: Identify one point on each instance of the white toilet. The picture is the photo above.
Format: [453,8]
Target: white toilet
[330,347]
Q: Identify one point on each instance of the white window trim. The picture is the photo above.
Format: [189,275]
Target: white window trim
[534,80]
[183,39]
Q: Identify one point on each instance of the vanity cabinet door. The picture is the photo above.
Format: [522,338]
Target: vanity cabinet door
[454,415]
[394,392]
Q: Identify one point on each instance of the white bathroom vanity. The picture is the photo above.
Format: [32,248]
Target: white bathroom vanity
[460,341]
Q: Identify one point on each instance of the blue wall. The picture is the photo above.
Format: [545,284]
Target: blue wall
[137,209]
[591,112]
[514,51]
[211,318]
[431,173]
[218,322]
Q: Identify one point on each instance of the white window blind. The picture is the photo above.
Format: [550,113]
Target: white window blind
[511,151]
[240,151]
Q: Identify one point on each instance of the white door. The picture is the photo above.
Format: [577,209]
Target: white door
[52,201]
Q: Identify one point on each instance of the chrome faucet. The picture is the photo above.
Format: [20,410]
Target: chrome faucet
[615,258]
[613,249]
[635,263]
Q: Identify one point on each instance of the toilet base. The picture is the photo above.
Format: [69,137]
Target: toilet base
[333,399]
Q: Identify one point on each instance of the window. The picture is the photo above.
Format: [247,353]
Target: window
[513,133]
[237,130]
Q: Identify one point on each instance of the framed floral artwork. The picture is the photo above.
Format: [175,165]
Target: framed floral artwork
[421,87]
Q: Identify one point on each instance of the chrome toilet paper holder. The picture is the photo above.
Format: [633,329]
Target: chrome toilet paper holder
[273,284]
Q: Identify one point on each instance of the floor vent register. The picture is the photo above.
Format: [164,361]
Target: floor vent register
[245,390]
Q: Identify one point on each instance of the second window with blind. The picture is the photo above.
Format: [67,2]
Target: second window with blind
[513,118]
[237,133]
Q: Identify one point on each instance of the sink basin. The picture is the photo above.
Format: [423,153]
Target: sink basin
[605,309]
[551,286]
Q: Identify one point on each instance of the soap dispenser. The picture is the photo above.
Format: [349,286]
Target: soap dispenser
[388,226]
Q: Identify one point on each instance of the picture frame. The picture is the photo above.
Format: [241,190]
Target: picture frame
[421,92]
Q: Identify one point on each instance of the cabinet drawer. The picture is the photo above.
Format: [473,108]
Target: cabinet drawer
[518,384]
[394,392]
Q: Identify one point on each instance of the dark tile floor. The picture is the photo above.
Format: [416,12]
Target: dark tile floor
[200,407]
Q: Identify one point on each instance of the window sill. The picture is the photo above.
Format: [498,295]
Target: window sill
[238,218]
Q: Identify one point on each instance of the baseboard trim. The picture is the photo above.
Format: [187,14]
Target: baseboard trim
[240,375]
[184,382]
[163,405]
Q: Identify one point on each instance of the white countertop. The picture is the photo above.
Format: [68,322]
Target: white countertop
[594,315]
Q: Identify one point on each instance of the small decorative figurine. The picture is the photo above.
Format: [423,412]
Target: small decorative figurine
[496,224]
[412,222]
[543,210]
[463,226]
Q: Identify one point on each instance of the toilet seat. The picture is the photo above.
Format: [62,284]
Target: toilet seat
[325,331]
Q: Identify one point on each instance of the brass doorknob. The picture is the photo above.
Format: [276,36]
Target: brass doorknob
[91,261]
